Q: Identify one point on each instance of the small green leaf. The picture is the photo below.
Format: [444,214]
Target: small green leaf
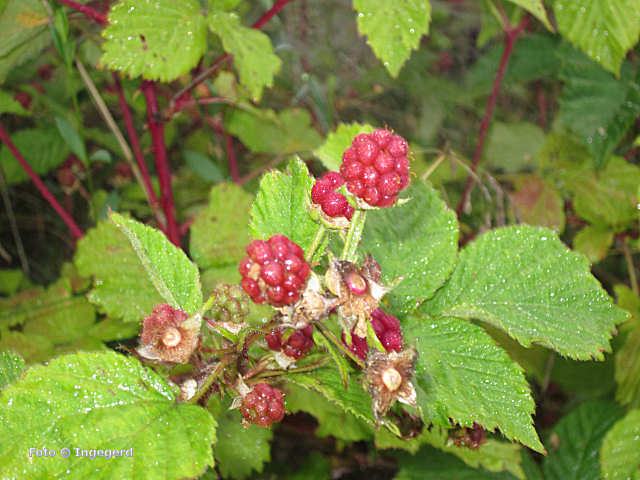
[513,147]
[627,360]
[11,367]
[175,277]
[593,242]
[121,286]
[603,29]
[159,40]
[579,437]
[620,453]
[33,348]
[340,361]
[330,152]
[251,49]
[43,149]
[536,8]
[9,105]
[537,202]
[203,166]
[461,374]
[523,280]
[265,131]
[10,280]
[107,401]
[219,232]
[280,206]
[393,28]
[417,241]
[72,139]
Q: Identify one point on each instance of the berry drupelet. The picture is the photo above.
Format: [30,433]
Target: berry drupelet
[324,193]
[387,329]
[263,405]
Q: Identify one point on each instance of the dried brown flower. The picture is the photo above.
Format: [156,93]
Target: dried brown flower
[169,335]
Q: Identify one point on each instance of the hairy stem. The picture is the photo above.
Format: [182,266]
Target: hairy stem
[46,193]
[511,35]
[317,241]
[356,227]
[162,163]
[217,371]
[231,158]
[328,334]
[92,13]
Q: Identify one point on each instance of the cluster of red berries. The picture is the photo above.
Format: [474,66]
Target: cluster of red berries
[376,167]
[387,330]
[298,343]
[275,271]
[324,193]
[263,405]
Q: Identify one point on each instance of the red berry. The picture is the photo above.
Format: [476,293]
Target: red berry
[366,148]
[334,204]
[392,341]
[349,155]
[370,176]
[274,340]
[293,263]
[387,200]
[389,183]
[299,342]
[349,212]
[244,266]
[272,273]
[398,146]
[334,178]
[259,251]
[384,163]
[382,137]
[320,190]
[386,328]
[356,187]
[371,195]
[292,282]
[263,405]
[250,286]
[351,170]
[276,294]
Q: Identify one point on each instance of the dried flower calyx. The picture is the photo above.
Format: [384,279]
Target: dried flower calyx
[388,378]
[169,335]
[358,291]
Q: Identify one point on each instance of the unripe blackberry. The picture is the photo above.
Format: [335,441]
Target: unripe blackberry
[387,329]
[231,303]
[274,272]
[324,193]
[376,167]
[263,405]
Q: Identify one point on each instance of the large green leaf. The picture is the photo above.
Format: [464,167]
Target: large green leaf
[175,277]
[537,202]
[280,206]
[24,27]
[101,401]
[514,146]
[417,241]
[536,8]
[266,131]
[330,152]
[219,232]
[11,367]
[159,40]
[393,28]
[523,280]
[577,441]
[593,242]
[121,287]
[43,148]
[627,360]
[251,49]
[603,29]
[620,453]
[461,374]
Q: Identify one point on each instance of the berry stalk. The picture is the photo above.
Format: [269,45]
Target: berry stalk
[99,17]
[217,371]
[328,334]
[317,241]
[46,193]
[354,234]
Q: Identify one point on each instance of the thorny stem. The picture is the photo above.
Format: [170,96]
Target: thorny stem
[511,35]
[276,373]
[231,158]
[46,193]
[217,371]
[162,163]
[92,13]
[198,79]
[316,242]
[630,266]
[356,227]
[328,334]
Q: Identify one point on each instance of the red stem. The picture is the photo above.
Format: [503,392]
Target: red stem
[99,17]
[511,35]
[231,157]
[162,163]
[73,227]
[279,5]
[135,143]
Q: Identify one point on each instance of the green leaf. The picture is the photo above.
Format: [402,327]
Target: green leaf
[593,242]
[72,139]
[33,348]
[577,439]
[24,27]
[159,40]
[219,232]
[265,131]
[513,146]
[607,198]
[461,374]
[107,401]
[330,152]
[111,329]
[241,450]
[393,28]
[536,8]
[627,360]
[10,280]
[280,206]
[42,148]
[121,286]
[175,277]
[620,453]
[11,367]
[603,29]
[537,202]
[338,357]
[417,241]
[332,419]
[9,105]
[599,108]
[432,464]
[203,166]
[523,280]
[251,49]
